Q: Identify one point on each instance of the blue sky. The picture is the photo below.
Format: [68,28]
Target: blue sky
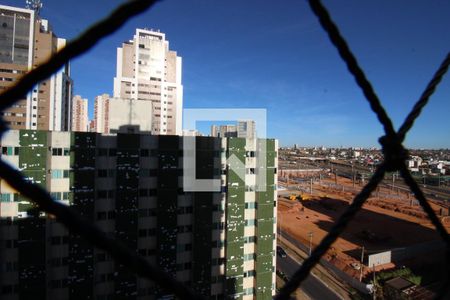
[274,55]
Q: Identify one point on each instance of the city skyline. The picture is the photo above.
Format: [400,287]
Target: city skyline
[117,185]
[295,74]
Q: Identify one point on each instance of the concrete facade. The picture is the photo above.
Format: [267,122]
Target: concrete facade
[79,114]
[222,244]
[223,131]
[112,114]
[246,129]
[101,114]
[16,58]
[27,41]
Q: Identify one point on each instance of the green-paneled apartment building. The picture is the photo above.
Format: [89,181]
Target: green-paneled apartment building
[222,243]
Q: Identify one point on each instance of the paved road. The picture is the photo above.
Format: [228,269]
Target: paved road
[353,282]
[312,286]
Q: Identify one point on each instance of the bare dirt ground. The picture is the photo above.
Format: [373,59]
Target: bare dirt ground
[382,224]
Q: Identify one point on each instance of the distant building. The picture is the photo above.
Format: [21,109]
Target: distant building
[399,288]
[79,114]
[26,41]
[111,114]
[243,129]
[414,163]
[136,114]
[222,244]
[223,131]
[214,131]
[246,129]
[187,132]
[101,113]
[92,125]
[148,70]
[437,168]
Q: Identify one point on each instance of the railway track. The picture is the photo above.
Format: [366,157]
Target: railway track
[346,170]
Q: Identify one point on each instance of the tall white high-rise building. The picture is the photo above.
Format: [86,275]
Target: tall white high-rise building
[148,70]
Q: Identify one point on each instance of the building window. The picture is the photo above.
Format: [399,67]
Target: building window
[11,244]
[250,256]
[102,173]
[144,172]
[6,197]
[10,150]
[102,194]
[249,291]
[56,196]
[250,154]
[102,152]
[9,289]
[250,222]
[250,205]
[111,214]
[218,261]
[249,239]
[143,192]
[145,152]
[57,152]
[59,174]
[250,273]
[101,215]
[184,247]
[250,188]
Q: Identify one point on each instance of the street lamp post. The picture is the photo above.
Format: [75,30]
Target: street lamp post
[279,225]
[310,242]
[361,265]
[393,182]
[374,294]
[353,175]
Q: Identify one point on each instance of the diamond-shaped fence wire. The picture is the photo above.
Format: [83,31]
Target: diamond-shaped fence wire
[394,155]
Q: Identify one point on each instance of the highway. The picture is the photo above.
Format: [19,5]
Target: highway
[312,286]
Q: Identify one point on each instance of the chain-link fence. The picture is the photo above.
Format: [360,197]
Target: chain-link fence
[394,155]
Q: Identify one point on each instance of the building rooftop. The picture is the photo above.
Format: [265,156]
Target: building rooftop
[399,283]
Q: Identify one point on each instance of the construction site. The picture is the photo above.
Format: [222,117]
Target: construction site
[391,231]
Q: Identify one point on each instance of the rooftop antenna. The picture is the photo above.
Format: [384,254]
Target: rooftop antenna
[35,5]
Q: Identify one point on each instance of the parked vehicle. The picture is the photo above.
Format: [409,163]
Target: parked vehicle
[281,252]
